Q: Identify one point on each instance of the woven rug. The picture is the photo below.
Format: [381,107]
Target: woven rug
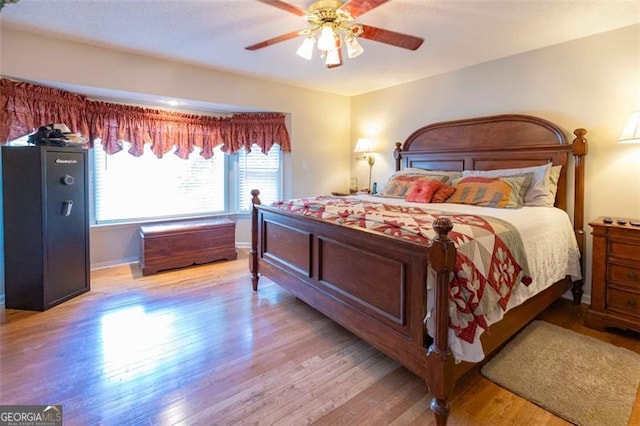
[581,379]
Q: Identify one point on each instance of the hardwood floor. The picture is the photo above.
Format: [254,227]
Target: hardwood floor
[196,346]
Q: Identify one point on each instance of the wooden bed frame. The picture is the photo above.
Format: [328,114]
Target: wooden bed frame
[375,286]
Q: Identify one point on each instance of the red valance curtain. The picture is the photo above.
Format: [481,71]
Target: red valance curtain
[264,130]
[27,106]
[162,129]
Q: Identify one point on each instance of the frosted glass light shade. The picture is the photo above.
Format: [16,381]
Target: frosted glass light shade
[327,39]
[631,132]
[354,49]
[306,48]
[333,57]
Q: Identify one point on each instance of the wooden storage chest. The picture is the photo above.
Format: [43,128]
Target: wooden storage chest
[184,243]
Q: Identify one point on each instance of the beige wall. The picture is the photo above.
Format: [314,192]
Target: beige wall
[592,83]
[319,122]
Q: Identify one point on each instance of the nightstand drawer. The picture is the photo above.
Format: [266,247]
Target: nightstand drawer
[623,302]
[624,275]
[624,250]
[615,275]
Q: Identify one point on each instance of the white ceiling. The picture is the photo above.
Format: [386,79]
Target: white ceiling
[213,33]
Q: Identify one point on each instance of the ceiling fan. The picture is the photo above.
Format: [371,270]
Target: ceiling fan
[331,21]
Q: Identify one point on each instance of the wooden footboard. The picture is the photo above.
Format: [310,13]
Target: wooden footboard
[370,284]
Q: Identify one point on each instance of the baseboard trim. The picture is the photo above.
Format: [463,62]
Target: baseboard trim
[128,261]
[112,263]
[586,298]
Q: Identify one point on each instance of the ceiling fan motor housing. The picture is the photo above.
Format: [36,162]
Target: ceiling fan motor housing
[327,11]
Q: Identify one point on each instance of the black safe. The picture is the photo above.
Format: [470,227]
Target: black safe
[46,225]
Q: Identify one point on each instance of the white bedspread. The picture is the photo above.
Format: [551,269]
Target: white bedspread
[551,249]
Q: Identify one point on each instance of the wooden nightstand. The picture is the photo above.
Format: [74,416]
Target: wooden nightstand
[615,272]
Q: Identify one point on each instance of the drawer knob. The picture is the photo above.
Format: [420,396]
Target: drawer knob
[632,302]
[632,276]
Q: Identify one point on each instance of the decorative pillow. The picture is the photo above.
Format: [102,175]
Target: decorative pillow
[451,174]
[501,192]
[539,192]
[554,177]
[423,190]
[443,193]
[399,184]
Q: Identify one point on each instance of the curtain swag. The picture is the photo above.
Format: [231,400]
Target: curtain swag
[26,106]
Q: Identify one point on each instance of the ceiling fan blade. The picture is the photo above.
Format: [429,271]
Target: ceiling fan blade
[284,6]
[391,37]
[360,7]
[280,38]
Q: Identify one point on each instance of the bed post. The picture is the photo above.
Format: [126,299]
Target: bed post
[253,253]
[397,154]
[579,149]
[440,363]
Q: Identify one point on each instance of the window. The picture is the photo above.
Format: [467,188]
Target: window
[129,188]
[259,171]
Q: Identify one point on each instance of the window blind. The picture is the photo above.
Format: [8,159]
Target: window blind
[259,171]
[129,188]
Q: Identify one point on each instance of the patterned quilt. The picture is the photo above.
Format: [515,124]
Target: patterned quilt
[490,260]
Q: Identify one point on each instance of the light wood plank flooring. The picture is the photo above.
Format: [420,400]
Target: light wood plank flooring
[197,347]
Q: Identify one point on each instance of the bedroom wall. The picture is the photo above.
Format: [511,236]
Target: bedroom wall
[592,82]
[319,122]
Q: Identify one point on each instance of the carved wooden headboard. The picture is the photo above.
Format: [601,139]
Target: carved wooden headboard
[500,142]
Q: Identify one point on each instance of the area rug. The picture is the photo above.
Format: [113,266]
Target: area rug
[581,379]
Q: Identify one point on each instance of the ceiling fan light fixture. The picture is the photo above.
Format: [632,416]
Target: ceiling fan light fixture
[331,21]
[327,39]
[354,49]
[333,57]
[306,48]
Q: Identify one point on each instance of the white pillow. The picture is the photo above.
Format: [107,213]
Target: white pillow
[451,174]
[539,193]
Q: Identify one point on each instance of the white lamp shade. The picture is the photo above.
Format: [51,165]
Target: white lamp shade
[306,48]
[327,39]
[631,132]
[333,57]
[354,48]
[363,145]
